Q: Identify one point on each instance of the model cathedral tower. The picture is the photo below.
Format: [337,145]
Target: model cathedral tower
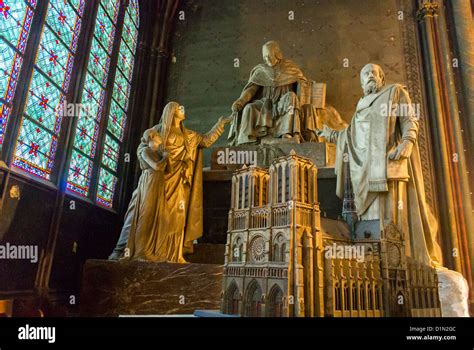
[273,242]
[276,261]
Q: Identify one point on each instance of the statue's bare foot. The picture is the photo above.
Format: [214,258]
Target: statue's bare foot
[287,136]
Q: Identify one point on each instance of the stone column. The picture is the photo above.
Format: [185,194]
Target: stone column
[464,30]
[450,163]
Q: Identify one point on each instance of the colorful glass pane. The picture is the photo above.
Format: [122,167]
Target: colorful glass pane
[85,140]
[35,149]
[54,59]
[111,153]
[4,113]
[79,174]
[121,90]
[126,61]
[15,24]
[45,103]
[119,104]
[10,64]
[129,33]
[104,30]
[92,91]
[116,122]
[100,62]
[133,10]
[64,23]
[78,5]
[41,123]
[112,8]
[106,188]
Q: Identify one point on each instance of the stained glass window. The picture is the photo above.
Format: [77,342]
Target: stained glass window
[118,109]
[16,17]
[93,96]
[40,126]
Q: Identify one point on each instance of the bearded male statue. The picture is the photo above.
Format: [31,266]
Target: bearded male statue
[380,145]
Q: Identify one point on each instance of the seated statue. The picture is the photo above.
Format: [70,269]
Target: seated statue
[270,104]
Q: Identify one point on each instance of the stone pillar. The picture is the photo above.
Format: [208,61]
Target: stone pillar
[464,30]
[450,163]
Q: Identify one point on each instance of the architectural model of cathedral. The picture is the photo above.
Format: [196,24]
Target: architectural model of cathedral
[282,258]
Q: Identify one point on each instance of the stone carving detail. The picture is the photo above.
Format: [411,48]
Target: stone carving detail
[257,249]
[394,255]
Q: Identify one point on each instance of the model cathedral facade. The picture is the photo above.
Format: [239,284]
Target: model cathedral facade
[277,262]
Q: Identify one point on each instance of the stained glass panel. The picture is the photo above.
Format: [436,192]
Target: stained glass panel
[121,90]
[45,102]
[79,177]
[116,122]
[54,59]
[100,62]
[35,149]
[15,22]
[92,91]
[86,133]
[10,64]
[112,8]
[118,107]
[64,23]
[104,30]
[126,61]
[111,153]
[15,25]
[41,123]
[106,188]
[134,12]
[4,113]
[130,33]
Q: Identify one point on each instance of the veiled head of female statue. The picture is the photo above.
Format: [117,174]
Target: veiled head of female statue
[173,114]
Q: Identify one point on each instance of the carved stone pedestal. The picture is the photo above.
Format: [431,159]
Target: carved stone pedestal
[144,288]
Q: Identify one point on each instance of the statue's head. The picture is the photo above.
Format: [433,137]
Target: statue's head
[179,113]
[172,112]
[372,78]
[271,53]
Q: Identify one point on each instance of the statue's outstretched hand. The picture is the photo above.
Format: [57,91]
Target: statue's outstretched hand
[402,151]
[324,132]
[237,106]
[225,120]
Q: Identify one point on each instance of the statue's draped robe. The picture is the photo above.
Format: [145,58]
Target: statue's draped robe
[176,199]
[148,205]
[271,104]
[383,187]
